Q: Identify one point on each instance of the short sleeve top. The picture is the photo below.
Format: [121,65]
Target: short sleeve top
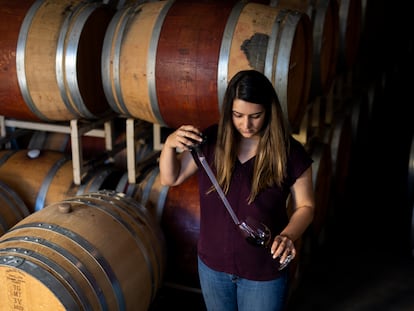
[221,245]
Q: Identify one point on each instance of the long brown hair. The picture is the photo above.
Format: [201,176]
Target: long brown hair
[270,163]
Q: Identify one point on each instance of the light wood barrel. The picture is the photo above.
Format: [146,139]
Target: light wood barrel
[189,51]
[148,191]
[48,177]
[53,52]
[98,251]
[49,141]
[12,208]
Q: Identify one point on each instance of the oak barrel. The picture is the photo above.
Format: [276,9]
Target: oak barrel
[339,137]
[51,59]
[147,190]
[322,180]
[97,251]
[181,225]
[350,31]
[324,15]
[12,208]
[188,51]
[48,177]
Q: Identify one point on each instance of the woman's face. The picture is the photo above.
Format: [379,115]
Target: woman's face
[248,118]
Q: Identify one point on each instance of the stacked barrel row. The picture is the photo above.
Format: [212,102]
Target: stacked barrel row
[57,246]
[163,62]
[76,59]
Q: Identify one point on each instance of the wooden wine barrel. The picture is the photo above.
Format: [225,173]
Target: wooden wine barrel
[119,4]
[350,30]
[322,180]
[180,223]
[338,136]
[177,210]
[188,51]
[43,140]
[410,175]
[48,177]
[51,59]
[315,236]
[12,208]
[148,191]
[324,15]
[358,111]
[97,251]
[412,231]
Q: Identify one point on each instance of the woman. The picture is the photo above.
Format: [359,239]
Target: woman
[258,165]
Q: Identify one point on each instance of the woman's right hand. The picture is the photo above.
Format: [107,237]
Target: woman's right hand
[174,169]
[184,137]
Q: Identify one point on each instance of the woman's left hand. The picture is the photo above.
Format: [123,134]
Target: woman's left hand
[282,247]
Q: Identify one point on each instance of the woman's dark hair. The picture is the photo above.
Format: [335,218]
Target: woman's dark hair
[270,163]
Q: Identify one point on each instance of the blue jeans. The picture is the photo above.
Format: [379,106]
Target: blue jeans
[226,292]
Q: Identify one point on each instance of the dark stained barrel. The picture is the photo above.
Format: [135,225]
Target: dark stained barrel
[177,210]
[188,51]
[324,15]
[181,225]
[410,173]
[322,180]
[350,30]
[339,137]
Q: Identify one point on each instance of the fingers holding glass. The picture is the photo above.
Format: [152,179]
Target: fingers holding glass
[186,136]
[283,249]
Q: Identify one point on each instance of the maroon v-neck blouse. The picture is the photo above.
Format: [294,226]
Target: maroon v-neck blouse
[221,245]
